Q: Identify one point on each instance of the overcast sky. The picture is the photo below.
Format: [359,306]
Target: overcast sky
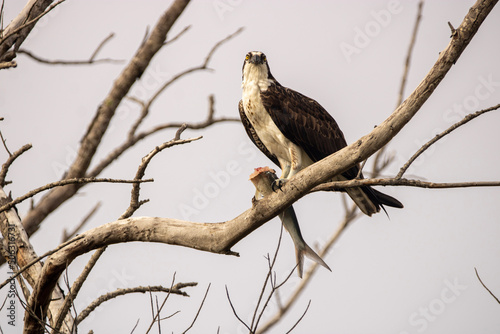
[412,273]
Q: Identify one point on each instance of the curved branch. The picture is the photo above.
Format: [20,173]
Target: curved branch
[220,237]
[421,150]
[484,286]
[10,160]
[176,289]
[89,61]
[83,180]
[339,185]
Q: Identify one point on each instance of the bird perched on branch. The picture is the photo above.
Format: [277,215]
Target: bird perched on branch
[295,131]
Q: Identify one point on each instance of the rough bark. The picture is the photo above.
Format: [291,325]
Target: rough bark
[32,9]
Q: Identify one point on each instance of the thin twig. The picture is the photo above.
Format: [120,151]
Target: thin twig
[176,37]
[268,277]
[134,200]
[4,142]
[101,45]
[158,311]
[491,293]
[203,66]
[404,77]
[10,160]
[199,310]
[234,311]
[349,218]
[176,289]
[82,180]
[301,317]
[162,304]
[410,53]
[89,61]
[135,326]
[455,126]
[219,43]
[75,288]
[132,140]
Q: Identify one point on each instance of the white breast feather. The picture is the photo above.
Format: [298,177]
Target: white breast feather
[255,81]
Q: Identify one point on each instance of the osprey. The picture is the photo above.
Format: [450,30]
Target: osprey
[295,131]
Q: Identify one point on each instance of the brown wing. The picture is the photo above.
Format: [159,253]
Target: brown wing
[306,123]
[253,135]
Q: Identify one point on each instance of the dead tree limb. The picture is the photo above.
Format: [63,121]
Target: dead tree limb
[17,31]
[89,61]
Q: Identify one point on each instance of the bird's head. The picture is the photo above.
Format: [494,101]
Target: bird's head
[256,66]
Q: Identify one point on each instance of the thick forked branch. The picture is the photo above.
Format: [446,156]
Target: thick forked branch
[105,112]
[221,237]
[14,34]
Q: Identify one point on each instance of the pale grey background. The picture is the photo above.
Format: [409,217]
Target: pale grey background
[389,275]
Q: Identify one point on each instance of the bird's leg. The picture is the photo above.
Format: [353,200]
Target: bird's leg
[278,183]
[289,169]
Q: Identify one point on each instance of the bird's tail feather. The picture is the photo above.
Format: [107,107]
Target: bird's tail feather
[364,202]
[370,200]
[386,199]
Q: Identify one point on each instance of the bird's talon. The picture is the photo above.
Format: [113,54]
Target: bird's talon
[278,184]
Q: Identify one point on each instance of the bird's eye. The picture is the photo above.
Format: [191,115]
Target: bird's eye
[247,56]
[264,58]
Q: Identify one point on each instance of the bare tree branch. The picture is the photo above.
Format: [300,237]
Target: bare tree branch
[133,139]
[83,180]
[74,289]
[134,202]
[157,316]
[491,293]
[199,310]
[204,66]
[176,289]
[17,31]
[339,185]
[10,160]
[301,317]
[176,37]
[410,52]
[89,61]
[236,313]
[455,126]
[406,71]
[4,141]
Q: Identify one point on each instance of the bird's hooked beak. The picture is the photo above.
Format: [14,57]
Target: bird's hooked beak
[257,59]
